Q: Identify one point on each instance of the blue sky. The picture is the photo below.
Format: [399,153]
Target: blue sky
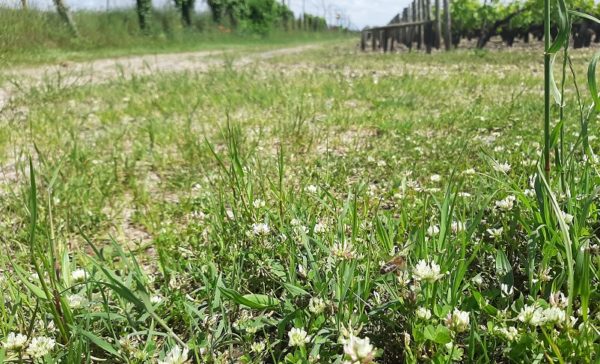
[359,12]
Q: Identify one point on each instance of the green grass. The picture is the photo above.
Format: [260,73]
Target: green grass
[157,187]
[36,37]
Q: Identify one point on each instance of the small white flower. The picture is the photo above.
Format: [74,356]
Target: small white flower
[529,192]
[477,280]
[458,320]
[558,299]
[509,333]
[258,347]
[316,305]
[78,275]
[495,233]
[469,171]
[343,250]
[506,289]
[381,163]
[435,178]
[457,226]
[532,315]
[507,203]
[258,203]
[76,301]
[359,350]
[423,313]
[40,346]
[554,315]
[175,356]
[427,272]
[501,167]
[156,299]
[298,337]
[433,230]
[320,228]
[261,229]
[15,342]
[568,218]
[311,189]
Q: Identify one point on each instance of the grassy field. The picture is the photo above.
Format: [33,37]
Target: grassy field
[246,215]
[32,37]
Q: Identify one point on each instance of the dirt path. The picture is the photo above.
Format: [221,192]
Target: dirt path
[103,70]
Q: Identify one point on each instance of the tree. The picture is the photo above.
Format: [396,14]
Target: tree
[63,12]
[144,9]
[186,7]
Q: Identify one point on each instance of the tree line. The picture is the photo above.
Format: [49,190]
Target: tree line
[256,16]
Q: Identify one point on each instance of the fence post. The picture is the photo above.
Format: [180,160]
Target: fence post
[438,25]
[363,40]
[420,17]
[373,40]
[403,30]
[447,35]
[428,37]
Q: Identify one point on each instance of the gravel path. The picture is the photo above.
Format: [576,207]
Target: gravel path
[104,70]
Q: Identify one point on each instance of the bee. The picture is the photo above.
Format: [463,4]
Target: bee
[396,263]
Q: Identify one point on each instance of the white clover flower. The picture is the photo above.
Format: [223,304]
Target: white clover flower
[381,163]
[423,313]
[78,275]
[15,342]
[477,280]
[532,315]
[558,299]
[495,233]
[507,203]
[403,278]
[554,315]
[359,350]
[464,194]
[320,228]
[501,167]
[156,299]
[40,346]
[509,333]
[435,178]
[427,272]
[343,250]
[295,222]
[458,226]
[76,301]
[298,337]
[258,347]
[469,171]
[433,230]
[506,289]
[311,189]
[258,203]
[177,355]
[316,305]
[567,217]
[529,192]
[261,229]
[458,320]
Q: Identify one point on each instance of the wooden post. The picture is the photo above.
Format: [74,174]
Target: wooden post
[403,30]
[411,32]
[373,40]
[420,17]
[363,40]
[428,26]
[438,25]
[447,34]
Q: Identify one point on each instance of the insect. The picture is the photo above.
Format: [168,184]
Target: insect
[396,263]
